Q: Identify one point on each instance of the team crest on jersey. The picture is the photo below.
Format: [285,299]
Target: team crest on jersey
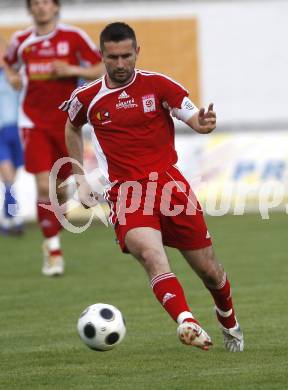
[30,49]
[103,116]
[149,103]
[62,48]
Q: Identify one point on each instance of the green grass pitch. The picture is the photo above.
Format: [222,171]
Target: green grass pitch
[40,349]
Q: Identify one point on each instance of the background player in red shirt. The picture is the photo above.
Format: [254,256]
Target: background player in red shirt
[51,57]
[130,111]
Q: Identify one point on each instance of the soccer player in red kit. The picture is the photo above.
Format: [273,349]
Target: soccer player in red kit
[50,57]
[130,111]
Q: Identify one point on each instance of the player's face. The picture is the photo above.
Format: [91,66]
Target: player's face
[119,59]
[43,11]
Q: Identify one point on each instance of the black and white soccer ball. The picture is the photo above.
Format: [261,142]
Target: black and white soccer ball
[101,327]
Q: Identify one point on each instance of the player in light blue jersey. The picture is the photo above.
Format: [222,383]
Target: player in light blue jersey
[11,155]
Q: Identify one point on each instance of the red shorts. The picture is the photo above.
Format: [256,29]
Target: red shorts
[167,204]
[42,148]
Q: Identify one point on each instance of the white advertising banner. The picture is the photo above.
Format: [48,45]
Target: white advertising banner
[239,172]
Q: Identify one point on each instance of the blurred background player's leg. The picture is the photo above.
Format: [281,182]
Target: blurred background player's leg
[43,147]
[11,158]
[39,159]
[11,154]
[53,262]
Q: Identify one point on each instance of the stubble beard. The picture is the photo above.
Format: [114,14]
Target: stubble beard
[127,76]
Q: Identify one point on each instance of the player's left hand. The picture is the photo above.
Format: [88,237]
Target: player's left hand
[63,69]
[206,120]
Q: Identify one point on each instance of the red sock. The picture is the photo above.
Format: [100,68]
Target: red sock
[56,252]
[47,220]
[224,306]
[170,294]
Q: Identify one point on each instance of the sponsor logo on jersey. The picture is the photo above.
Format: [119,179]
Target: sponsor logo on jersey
[40,70]
[63,48]
[74,107]
[149,103]
[123,95]
[43,69]
[126,104]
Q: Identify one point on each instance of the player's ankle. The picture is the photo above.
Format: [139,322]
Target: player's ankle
[192,320]
[53,244]
[186,316]
[226,319]
[56,252]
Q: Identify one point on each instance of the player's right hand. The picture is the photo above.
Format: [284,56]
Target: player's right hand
[16,82]
[87,197]
[63,69]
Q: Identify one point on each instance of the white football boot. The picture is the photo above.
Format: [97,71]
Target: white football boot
[233,339]
[52,265]
[190,333]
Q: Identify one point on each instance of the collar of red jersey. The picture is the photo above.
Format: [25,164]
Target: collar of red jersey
[122,86]
[45,36]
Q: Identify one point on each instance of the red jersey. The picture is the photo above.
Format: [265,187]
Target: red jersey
[42,90]
[134,132]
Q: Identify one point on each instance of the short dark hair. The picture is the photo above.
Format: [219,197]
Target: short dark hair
[28,3]
[116,32]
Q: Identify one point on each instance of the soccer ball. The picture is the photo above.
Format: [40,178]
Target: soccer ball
[101,326]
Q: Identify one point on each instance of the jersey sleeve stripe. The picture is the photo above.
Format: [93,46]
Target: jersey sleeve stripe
[147,73]
[65,105]
[82,33]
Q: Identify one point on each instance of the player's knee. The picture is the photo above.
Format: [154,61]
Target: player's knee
[43,190]
[42,183]
[151,256]
[154,261]
[148,254]
[211,272]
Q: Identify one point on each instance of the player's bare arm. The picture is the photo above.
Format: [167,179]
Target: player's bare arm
[63,69]
[203,122]
[13,77]
[74,143]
